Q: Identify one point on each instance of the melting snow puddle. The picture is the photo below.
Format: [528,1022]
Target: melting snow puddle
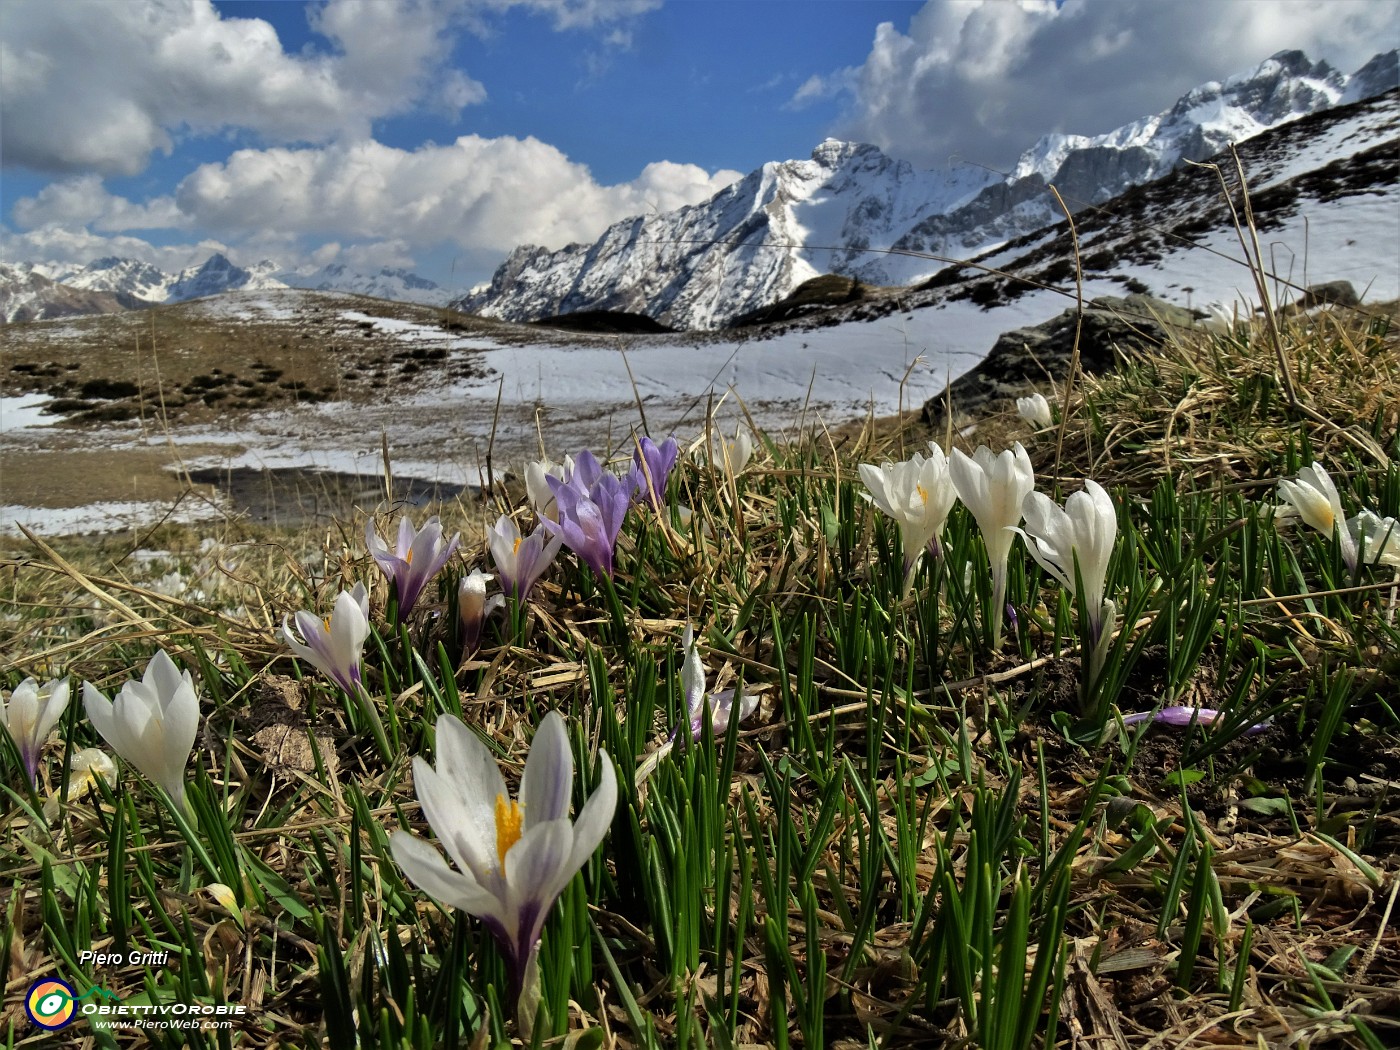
[114,516]
[24,412]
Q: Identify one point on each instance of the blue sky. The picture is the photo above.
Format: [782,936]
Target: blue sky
[438,134]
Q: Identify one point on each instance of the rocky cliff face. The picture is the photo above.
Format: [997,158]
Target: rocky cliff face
[699,266]
[849,206]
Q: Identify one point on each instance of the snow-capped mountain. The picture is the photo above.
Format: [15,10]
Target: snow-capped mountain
[848,207]
[397,284]
[216,274]
[26,294]
[33,291]
[144,282]
[132,277]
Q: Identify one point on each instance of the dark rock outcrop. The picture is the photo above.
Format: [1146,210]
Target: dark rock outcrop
[811,296]
[1032,357]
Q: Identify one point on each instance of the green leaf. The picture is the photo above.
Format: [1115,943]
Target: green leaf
[1182,778]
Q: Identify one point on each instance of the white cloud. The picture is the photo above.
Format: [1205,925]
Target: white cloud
[476,193]
[84,201]
[364,204]
[577,14]
[986,78]
[817,87]
[91,85]
[63,246]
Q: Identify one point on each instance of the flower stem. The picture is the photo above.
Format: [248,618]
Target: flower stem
[998,600]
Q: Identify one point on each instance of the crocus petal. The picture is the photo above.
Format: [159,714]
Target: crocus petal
[428,871]
[692,674]
[460,796]
[181,722]
[536,873]
[100,713]
[548,779]
[593,821]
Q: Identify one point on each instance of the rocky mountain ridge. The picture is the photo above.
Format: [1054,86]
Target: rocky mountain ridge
[32,291]
[852,210]
[27,295]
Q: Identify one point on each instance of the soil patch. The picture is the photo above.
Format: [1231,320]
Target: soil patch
[77,477]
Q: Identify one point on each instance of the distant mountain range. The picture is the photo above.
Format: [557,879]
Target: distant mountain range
[849,206]
[33,291]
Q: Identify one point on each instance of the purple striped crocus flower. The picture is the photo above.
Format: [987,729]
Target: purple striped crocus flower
[651,467]
[590,519]
[334,645]
[720,705]
[520,562]
[416,558]
[1184,715]
[32,713]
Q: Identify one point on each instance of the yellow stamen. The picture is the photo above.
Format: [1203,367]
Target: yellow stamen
[923,494]
[509,817]
[409,557]
[516,548]
[328,623]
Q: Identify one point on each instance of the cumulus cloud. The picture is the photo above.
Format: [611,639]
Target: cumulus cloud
[363,204]
[60,247]
[84,201]
[476,192]
[90,85]
[985,78]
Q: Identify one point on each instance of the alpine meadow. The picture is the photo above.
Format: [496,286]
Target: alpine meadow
[934,593]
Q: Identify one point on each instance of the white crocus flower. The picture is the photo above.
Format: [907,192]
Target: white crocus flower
[917,493]
[993,488]
[1035,410]
[473,607]
[152,723]
[732,456]
[537,489]
[1376,539]
[1079,536]
[513,858]
[30,716]
[1313,497]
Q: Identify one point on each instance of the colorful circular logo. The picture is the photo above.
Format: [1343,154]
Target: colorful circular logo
[50,1003]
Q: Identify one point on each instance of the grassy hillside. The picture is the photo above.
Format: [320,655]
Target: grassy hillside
[919,838]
